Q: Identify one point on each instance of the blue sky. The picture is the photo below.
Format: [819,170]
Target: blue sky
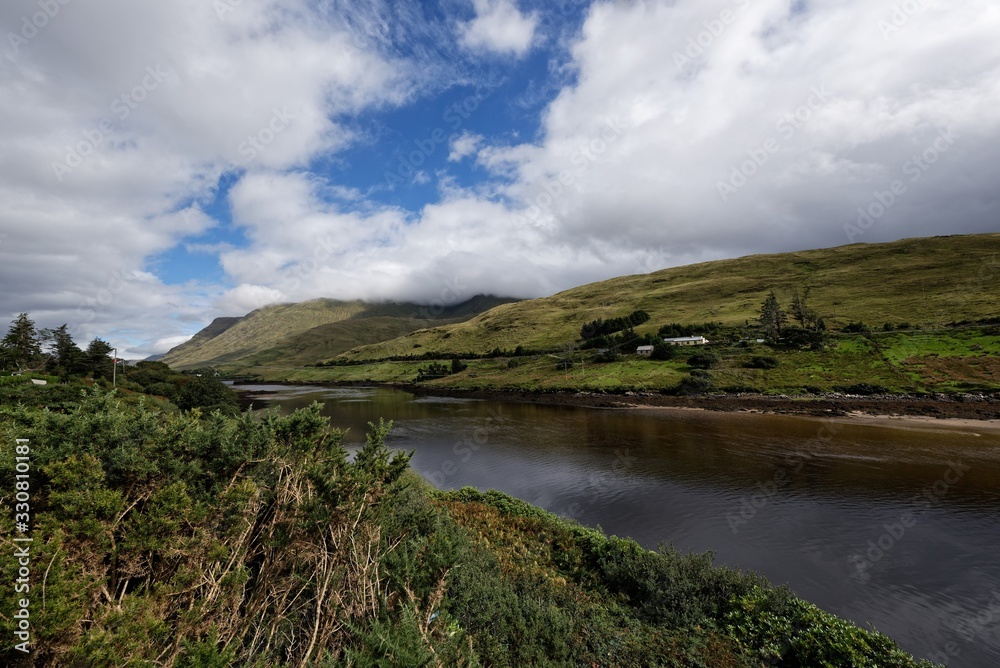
[170,163]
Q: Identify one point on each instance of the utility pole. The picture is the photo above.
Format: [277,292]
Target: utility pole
[114,370]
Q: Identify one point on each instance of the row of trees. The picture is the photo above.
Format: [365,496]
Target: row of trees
[600,327]
[774,319]
[52,351]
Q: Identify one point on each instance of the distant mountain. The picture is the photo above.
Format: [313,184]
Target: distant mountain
[307,332]
[925,281]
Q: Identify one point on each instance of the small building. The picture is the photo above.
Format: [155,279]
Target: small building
[37,381]
[687,341]
[644,351]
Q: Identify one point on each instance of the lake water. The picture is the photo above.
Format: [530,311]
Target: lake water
[893,525]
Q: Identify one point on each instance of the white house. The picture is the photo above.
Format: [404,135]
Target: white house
[644,351]
[687,341]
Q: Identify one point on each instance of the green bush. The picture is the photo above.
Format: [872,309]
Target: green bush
[664,351]
[864,389]
[698,382]
[762,362]
[705,360]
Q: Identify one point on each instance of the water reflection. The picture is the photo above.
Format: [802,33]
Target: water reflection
[856,517]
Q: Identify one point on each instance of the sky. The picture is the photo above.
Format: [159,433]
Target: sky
[163,164]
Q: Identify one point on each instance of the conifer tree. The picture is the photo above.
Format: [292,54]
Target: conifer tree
[772,317]
[21,347]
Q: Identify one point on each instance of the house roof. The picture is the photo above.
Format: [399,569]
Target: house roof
[644,348]
[687,338]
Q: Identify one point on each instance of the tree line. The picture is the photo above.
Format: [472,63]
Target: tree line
[26,348]
[600,327]
[52,351]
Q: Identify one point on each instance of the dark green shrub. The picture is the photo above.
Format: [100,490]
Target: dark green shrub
[762,362]
[864,389]
[857,328]
[664,351]
[607,356]
[699,382]
[705,360]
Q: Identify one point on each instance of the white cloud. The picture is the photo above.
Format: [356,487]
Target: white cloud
[685,130]
[464,145]
[114,114]
[499,27]
[667,101]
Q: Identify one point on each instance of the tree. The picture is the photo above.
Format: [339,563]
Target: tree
[67,355]
[208,394]
[772,317]
[663,351]
[98,360]
[801,311]
[21,346]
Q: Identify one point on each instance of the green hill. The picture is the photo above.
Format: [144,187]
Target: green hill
[930,281]
[298,334]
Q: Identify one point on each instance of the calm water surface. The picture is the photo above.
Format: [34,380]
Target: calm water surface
[889,525]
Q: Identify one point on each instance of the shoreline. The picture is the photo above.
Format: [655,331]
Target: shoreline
[974,410]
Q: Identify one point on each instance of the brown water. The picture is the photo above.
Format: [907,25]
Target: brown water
[896,527]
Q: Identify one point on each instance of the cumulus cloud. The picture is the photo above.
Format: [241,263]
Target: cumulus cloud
[499,27]
[464,145]
[721,128]
[115,116]
[683,131]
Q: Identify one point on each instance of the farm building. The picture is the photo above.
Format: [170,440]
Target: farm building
[687,341]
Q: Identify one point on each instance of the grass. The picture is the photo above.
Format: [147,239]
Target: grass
[924,284]
[298,334]
[930,281]
[948,360]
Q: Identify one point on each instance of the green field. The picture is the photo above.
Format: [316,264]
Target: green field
[299,334]
[922,281]
[929,304]
[950,360]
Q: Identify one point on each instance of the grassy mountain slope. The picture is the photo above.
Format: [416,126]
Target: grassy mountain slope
[216,328]
[293,334]
[335,338]
[929,281]
[259,330]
